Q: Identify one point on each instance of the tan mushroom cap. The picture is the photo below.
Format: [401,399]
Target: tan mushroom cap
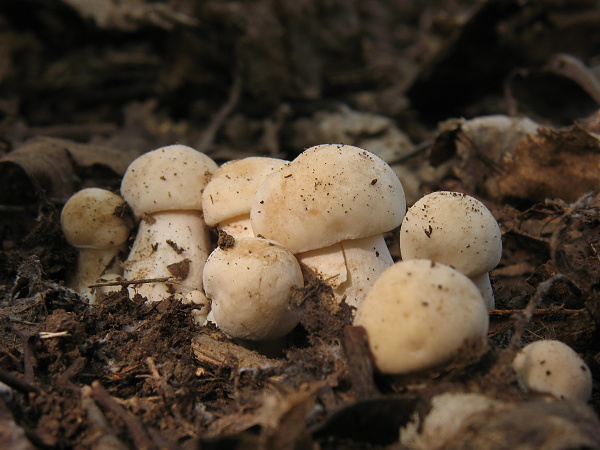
[454,229]
[418,315]
[328,194]
[166,179]
[232,187]
[89,220]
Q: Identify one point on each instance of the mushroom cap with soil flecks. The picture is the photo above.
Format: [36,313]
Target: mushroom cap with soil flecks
[227,198]
[251,285]
[550,367]
[419,314]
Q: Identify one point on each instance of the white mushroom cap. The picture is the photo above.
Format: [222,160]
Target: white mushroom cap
[89,220]
[552,367]
[453,229]
[251,285]
[166,179]
[328,194]
[232,187]
[418,314]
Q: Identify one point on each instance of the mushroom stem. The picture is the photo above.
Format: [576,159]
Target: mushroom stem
[484,285]
[92,264]
[328,263]
[169,244]
[366,259]
[238,226]
[349,267]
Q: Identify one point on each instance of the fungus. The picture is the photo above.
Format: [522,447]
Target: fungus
[227,198]
[457,230]
[251,286]
[449,413]
[91,222]
[419,314]
[329,207]
[550,367]
[164,189]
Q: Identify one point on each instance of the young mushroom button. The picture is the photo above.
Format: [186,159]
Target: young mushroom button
[329,207]
[419,314]
[457,230]
[251,286]
[92,221]
[550,367]
[164,189]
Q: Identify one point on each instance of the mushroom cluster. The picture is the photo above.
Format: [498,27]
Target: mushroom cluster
[328,208]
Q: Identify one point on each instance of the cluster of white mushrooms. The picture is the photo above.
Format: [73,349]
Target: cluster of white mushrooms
[327,209]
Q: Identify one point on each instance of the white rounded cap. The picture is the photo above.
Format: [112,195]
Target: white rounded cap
[232,187]
[251,285]
[89,220]
[328,194]
[418,314]
[453,229]
[166,179]
[552,367]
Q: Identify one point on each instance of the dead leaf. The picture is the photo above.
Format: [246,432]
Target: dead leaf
[561,91]
[55,167]
[130,15]
[561,164]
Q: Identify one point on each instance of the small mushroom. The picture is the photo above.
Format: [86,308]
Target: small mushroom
[92,221]
[550,367]
[419,314]
[457,230]
[227,198]
[329,207]
[164,189]
[251,285]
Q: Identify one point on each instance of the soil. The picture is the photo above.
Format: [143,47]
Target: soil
[445,93]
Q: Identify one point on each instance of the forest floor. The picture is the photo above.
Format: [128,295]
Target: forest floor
[498,99]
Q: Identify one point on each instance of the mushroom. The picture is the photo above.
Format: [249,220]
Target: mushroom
[457,230]
[164,189]
[251,285]
[550,367]
[227,198]
[419,314]
[93,221]
[329,207]
[449,413]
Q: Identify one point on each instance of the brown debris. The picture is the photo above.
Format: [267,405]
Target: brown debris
[88,86]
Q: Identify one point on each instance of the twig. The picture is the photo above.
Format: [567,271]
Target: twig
[51,335]
[535,312]
[163,387]
[133,282]
[360,365]
[106,436]
[527,313]
[16,383]
[28,357]
[208,137]
[141,440]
